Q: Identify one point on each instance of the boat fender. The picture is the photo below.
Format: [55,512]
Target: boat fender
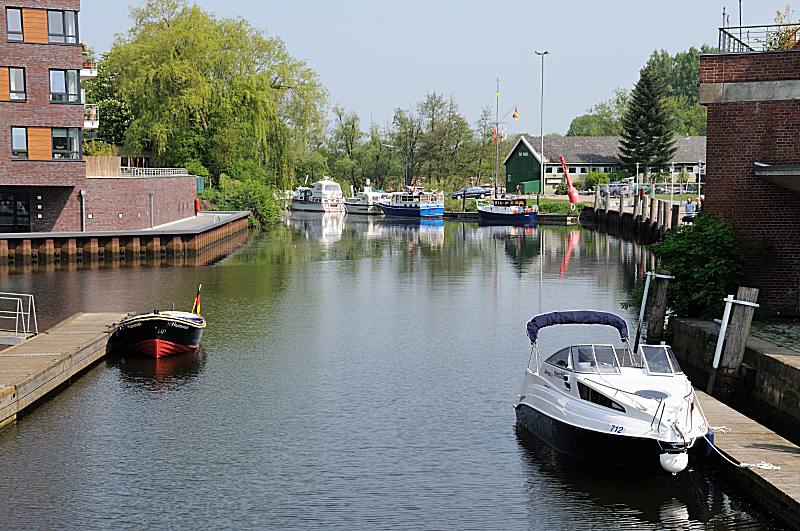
[674,462]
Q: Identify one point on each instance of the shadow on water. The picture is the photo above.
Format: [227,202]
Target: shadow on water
[162,374]
[690,500]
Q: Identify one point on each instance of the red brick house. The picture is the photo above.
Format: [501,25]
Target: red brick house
[752,91]
[43,173]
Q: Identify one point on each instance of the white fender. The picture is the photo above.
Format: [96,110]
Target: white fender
[674,463]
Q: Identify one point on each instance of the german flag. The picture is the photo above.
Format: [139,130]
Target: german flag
[196,305]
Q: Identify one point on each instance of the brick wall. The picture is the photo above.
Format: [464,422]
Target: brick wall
[766,217]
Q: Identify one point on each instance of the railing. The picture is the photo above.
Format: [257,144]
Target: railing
[759,38]
[128,171]
[21,309]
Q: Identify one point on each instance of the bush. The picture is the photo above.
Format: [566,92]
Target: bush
[562,188]
[705,260]
[455,205]
[595,178]
[557,206]
[618,175]
[98,148]
[251,194]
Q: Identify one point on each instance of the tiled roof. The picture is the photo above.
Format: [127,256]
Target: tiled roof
[604,149]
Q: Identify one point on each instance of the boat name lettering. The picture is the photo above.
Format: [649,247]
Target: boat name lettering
[178,325]
[559,374]
[616,429]
[548,373]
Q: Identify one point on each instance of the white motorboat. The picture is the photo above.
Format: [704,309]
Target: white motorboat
[323,196]
[413,203]
[365,202]
[610,405]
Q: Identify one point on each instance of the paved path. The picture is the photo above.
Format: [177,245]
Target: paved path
[750,442]
[38,366]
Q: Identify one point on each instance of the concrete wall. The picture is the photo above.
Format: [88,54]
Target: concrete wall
[765,217]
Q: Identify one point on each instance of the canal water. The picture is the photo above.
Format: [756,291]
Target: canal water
[355,374]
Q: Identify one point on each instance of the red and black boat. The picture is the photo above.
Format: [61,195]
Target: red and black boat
[160,333]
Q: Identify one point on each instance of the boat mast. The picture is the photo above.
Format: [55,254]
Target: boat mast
[496,136]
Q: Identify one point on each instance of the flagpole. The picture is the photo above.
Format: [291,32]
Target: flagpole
[496,135]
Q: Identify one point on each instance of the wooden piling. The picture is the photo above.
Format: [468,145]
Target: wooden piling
[658,309]
[735,341]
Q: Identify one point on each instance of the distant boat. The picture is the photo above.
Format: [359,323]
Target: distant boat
[414,204]
[365,202]
[160,333]
[507,211]
[323,196]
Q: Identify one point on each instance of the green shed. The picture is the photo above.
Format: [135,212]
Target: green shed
[522,169]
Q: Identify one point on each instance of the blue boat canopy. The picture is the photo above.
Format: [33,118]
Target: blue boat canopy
[576,317]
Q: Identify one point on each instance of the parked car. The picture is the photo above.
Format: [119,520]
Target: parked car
[471,192]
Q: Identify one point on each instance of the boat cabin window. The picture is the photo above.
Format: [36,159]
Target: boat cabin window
[595,358]
[659,359]
[595,397]
[560,359]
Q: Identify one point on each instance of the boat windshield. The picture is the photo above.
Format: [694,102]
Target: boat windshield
[659,359]
[595,358]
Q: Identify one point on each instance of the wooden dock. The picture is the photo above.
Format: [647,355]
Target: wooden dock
[749,442]
[31,370]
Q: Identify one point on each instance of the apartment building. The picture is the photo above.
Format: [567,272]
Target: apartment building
[44,184]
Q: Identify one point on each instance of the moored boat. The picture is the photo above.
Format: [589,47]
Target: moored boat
[413,204]
[366,202]
[507,211]
[323,196]
[160,333]
[609,405]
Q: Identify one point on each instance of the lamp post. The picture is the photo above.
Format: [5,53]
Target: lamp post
[541,54]
[671,184]
[405,161]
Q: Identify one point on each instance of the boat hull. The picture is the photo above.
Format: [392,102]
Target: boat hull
[313,206]
[528,218]
[156,337]
[367,210]
[604,449]
[433,211]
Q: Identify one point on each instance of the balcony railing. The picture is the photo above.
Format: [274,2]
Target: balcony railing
[128,171]
[774,37]
[91,116]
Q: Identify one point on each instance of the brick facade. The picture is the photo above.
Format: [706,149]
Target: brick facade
[53,186]
[765,216]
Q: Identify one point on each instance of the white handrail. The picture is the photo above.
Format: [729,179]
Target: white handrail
[24,309]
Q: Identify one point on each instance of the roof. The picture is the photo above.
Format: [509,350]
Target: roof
[602,149]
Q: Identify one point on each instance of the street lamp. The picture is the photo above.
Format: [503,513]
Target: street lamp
[405,159]
[541,54]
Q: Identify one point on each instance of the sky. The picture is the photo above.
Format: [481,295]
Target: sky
[374,56]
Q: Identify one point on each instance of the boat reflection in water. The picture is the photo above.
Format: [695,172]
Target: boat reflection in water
[326,228]
[658,501]
[415,231]
[160,374]
[365,227]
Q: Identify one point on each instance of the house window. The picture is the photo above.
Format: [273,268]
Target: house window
[66,143]
[19,143]
[583,169]
[62,27]
[64,86]
[16,79]
[572,169]
[14,24]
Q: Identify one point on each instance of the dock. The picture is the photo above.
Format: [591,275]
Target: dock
[777,491]
[34,368]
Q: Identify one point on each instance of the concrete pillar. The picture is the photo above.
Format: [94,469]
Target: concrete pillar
[153,250]
[91,251]
[69,251]
[3,252]
[112,250]
[47,252]
[175,247]
[24,253]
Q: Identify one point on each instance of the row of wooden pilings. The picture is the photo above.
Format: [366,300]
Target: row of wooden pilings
[130,249]
[648,221]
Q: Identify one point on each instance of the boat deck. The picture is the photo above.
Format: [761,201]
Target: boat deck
[31,370]
[750,442]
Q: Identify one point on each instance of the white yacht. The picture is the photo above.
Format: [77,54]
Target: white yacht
[365,202]
[610,405]
[323,196]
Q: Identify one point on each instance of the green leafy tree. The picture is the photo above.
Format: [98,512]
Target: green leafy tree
[647,136]
[604,119]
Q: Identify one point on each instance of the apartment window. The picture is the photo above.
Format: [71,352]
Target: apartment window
[67,143]
[16,80]
[64,86]
[14,24]
[19,143]
[62,27]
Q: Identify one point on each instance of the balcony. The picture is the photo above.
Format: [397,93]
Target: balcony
[91,116]
[89,67]
[111,167]
[745,39]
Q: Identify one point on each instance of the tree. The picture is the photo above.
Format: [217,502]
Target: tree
[345,143]
[407,136]
[647,136]
[604,119]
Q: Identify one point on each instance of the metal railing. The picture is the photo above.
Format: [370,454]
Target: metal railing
[759,38]
[128,171]
[21,309]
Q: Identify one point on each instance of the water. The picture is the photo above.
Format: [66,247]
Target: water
[355,374]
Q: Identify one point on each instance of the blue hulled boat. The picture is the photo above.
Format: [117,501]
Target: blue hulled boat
[414,204]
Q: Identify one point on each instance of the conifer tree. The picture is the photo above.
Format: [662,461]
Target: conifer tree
[647,136]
